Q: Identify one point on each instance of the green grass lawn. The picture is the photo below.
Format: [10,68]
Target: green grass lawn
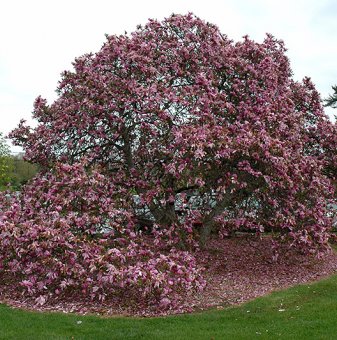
[302,312]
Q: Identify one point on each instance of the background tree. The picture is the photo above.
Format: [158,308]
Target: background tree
[332,99]
[21,171]
[5,163]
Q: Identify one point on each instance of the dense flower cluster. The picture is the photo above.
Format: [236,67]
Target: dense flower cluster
[209,136]
[64,235]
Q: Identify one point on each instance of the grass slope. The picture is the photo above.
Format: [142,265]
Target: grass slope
[301,312]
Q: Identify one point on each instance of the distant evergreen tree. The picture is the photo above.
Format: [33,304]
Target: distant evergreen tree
[332,99]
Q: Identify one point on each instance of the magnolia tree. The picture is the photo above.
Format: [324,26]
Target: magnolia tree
[195,135]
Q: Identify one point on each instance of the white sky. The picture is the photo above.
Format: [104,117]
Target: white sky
[40,38]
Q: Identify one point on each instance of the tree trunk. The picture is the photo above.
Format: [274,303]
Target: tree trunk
[208,221]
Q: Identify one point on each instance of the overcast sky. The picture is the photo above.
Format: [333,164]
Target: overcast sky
[40,38]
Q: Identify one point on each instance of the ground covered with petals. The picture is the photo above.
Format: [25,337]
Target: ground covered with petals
[236,270]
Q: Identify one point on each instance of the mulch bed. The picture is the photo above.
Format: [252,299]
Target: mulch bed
[241,269]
